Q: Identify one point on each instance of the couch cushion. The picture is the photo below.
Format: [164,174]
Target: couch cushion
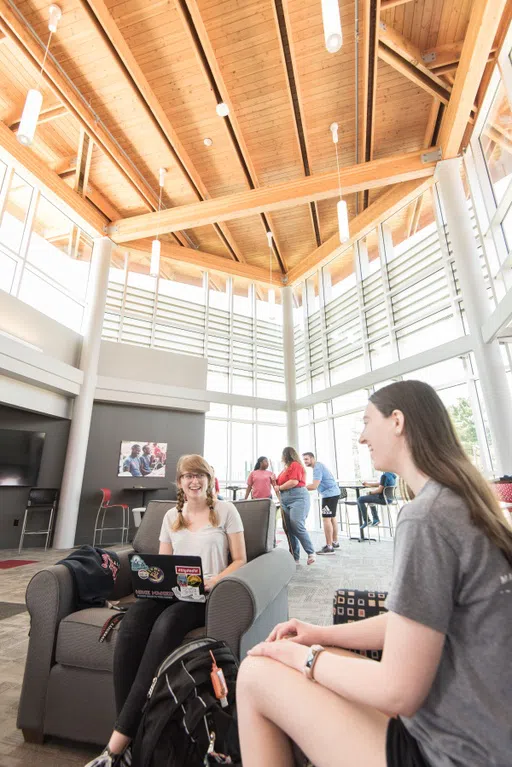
[146,541]
[259,518]
[78,645]
[77,640]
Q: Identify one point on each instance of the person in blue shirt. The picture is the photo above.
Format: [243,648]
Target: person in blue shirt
[388,479]
[329,491]
[132,462]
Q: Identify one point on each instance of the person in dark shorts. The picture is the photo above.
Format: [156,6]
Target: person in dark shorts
[442,694]
[329,492]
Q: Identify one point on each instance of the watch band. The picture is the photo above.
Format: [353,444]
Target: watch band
[309,665]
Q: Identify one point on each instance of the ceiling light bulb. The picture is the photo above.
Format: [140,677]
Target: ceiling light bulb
[30,116]
[207,142]
[222,109]
[332,25]
[269,239]
[154,267]
[55,17]
[333,127]
[343,221]
[161,176]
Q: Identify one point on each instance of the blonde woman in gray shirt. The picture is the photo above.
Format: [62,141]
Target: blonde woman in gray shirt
[442,694]
[199,525]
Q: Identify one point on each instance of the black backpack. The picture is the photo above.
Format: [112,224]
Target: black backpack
[184,725]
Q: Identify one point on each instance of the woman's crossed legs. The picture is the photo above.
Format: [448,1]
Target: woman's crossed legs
[277,704]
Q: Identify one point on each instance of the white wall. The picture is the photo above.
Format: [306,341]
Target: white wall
[22,321]
[158,367]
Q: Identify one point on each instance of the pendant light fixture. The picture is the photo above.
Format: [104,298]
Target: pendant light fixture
[154,266]
[332,25]
[341,206]
[34,100]
[222,109]
[271,291]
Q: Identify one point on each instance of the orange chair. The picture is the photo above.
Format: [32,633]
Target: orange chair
[99,526]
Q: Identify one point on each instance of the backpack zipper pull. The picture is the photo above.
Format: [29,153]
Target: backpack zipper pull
[212,743]
[153,683]
[220,687]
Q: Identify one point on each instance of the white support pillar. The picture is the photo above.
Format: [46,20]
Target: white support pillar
[289,366]
[82,410]
[491,370]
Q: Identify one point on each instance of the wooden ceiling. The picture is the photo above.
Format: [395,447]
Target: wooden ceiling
[131,86]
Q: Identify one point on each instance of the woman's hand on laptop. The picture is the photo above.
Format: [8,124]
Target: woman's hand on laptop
[209,583]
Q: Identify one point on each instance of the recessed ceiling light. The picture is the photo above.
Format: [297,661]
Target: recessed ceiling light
[222,109]
[207,142]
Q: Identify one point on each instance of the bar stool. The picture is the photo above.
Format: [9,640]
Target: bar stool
[99,526]
[391,500]
[39,499]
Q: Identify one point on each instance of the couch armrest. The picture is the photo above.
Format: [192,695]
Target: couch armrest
[239,599]
[123,585]
[50,597]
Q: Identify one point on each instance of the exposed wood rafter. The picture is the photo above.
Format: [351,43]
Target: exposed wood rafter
[193,23]
[354,178]
[32,52]
[388,203]
[51,180]
[46,116]
[371,19]
[406,57]
[478,43]
[108,28]
[282,16]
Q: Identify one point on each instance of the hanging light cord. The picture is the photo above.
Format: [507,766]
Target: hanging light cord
[44,61]
[338,167]
[159,208]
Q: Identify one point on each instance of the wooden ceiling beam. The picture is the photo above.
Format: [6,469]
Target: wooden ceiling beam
[107,27]
[478,43]
[406,57]
[32,52]
[354,178]
[209,262]
[388,203]
[51,180]
[190,15]
[45,116]
[386,5]
[444,58]
[371,19]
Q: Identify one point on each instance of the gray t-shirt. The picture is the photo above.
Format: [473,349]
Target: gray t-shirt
[450,577]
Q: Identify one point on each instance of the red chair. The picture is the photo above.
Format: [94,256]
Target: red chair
[503,490]
[99,526]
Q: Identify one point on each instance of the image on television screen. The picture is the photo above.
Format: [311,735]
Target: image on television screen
[142,459]
[20,457]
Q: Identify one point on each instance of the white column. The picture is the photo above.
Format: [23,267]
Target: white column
[289,366]
[82,410]
[491,370]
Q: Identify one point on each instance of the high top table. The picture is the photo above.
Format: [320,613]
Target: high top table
[144,490]
[358,488]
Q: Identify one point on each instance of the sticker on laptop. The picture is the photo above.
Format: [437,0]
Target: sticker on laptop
[188,583]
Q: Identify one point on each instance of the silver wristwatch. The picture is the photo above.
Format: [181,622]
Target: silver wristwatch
[309,665]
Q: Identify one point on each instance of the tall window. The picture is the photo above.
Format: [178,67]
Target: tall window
[230,321]
[44,255]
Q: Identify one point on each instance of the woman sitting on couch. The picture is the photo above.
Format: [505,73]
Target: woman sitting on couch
[199,525]
[442,694]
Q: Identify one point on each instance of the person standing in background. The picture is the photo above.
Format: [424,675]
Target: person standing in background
[387,479]
[291,484]
[327,487]
[260,481]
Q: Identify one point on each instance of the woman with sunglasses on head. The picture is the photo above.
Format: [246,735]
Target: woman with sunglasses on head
[199,525]
[442,694]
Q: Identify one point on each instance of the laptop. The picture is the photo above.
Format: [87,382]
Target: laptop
[166,576]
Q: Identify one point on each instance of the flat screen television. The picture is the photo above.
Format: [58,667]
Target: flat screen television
[20,457]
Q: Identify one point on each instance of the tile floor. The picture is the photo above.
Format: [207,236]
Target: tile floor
[363,566]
